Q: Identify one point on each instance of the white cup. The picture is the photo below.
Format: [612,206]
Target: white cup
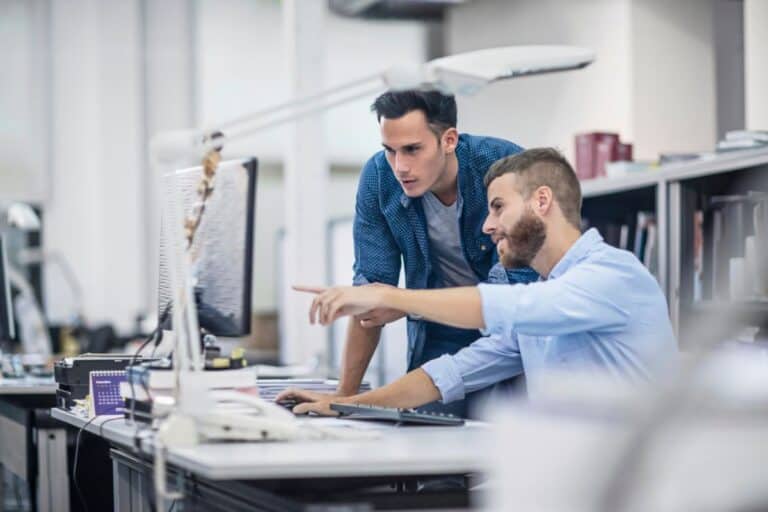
[737,278]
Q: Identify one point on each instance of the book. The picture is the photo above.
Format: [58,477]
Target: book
[651,252]
[624,237]
[104,393]
[624,152]
[756,135]
[735,144]
[643,220]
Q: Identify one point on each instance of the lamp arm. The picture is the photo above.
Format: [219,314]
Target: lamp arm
[171,147]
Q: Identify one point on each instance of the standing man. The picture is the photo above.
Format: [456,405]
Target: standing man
[421,200]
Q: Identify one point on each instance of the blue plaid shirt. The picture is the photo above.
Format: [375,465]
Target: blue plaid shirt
[391,228]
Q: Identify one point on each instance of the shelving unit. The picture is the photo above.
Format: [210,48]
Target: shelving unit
[674,192]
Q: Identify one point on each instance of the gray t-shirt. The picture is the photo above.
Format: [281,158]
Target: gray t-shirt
[447,255]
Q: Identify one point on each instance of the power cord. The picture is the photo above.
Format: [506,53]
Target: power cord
[146,342]
[74,463]
[153,336]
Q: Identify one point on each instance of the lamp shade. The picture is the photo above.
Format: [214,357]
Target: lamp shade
[466,73]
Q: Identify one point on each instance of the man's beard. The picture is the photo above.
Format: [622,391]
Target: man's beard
[524,241]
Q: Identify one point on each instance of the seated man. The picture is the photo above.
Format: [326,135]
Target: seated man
[595,308]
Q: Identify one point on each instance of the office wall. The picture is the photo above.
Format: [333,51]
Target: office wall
[548,109]
[271,219]
[241,70]
[93,213]
[652,80]
[674,104]
[24,100]
[756,63]
[729,64]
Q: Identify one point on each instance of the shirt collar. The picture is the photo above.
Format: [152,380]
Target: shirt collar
[578,250]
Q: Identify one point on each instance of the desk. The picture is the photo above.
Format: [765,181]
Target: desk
[385,472]
[31,445]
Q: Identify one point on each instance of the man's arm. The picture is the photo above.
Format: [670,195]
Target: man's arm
[588,297]
[359,347]
[412,390]
[458,307]
[377,260]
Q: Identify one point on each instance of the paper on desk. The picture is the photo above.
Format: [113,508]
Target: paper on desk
[327,421]
[285,372]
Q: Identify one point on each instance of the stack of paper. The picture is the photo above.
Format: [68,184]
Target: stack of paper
[270,388]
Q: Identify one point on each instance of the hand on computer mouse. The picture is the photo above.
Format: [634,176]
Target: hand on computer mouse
[308,401]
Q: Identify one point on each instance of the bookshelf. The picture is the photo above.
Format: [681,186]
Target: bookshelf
[674,193]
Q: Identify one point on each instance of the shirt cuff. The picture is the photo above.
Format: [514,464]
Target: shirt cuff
[498,309]
[446,378]
[360,280]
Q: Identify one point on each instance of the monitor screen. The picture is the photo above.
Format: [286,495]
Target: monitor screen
[222,250]
[7,330]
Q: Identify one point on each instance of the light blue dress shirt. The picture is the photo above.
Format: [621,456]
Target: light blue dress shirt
[599,309]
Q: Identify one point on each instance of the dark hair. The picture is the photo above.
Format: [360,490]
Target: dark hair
[538,167]
[438,108]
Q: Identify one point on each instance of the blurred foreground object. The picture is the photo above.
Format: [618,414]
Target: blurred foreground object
[589,444]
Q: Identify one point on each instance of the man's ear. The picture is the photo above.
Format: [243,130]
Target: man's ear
[449,139]
[543,199]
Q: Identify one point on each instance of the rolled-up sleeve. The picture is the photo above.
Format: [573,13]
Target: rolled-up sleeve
[584,299]
[485,362]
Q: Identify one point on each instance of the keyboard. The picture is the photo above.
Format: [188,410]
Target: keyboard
[405,416]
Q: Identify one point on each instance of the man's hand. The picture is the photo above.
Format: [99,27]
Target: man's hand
[332,303]
[309,401]
[379,317]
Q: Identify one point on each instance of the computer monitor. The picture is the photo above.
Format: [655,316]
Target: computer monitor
[7,329]
[222,250]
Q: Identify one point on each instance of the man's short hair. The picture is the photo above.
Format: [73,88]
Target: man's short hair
[438,108]
[538,167]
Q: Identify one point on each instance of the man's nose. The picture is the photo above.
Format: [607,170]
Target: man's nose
[401,165]
[489,226]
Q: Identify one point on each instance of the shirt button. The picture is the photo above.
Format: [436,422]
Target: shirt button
[482,247]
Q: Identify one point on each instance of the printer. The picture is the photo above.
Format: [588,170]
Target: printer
[72,373]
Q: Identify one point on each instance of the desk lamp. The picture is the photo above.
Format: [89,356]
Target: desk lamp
[461,74]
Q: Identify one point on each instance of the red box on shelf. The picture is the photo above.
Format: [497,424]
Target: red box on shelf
[625,152]
[587,165]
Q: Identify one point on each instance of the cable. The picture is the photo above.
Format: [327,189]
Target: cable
[74,463]
[153,335]
[101,426]
[130,378]
[133,408]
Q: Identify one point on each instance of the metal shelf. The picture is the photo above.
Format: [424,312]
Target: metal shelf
[717,163]
[674,201]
